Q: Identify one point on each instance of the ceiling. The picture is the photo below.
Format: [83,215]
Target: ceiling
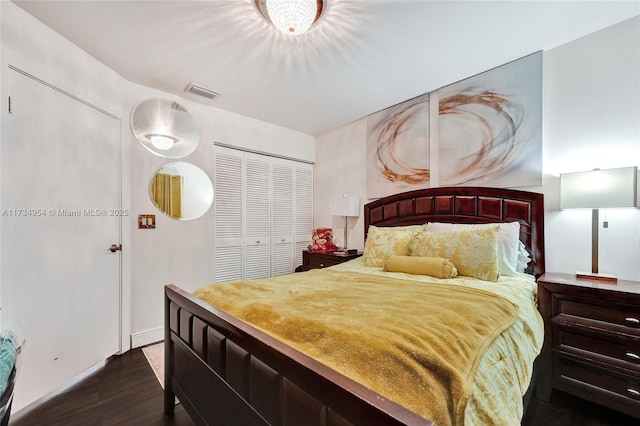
[360,57]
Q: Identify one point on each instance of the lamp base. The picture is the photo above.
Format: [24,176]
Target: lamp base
[597,277]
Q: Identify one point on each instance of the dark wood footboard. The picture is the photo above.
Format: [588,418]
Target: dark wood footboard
[226,372]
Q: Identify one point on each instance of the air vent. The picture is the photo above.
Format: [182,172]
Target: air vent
[201,91]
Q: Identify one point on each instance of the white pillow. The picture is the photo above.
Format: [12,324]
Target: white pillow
[508,241]
[523,257]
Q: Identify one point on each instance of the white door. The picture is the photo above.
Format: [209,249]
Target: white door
[229,214]
[61,189]
[281,217]
[303,177]
[257,207]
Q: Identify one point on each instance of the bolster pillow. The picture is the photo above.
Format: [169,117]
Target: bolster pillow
[438,267]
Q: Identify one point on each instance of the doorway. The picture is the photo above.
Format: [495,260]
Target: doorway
[61,232]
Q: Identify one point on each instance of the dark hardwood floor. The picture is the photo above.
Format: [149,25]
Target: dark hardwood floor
[125,391]
[567,410]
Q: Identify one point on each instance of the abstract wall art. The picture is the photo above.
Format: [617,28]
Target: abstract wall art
[490,127]
[489,133]
[398,148]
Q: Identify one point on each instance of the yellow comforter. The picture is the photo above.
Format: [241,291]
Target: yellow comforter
[505,369]
[327,315]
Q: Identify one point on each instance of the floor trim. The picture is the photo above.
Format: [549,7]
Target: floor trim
[147,337]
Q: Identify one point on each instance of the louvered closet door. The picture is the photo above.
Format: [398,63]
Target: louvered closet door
[229,214]
[257,208]
[303,182]
[281,216]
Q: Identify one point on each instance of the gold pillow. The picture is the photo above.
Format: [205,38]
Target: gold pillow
[438,267]
[388,241]
[474,253]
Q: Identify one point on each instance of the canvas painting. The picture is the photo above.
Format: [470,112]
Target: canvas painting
[490,127]
[398,148]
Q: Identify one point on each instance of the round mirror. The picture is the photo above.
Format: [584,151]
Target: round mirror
[182,191]
[164,127]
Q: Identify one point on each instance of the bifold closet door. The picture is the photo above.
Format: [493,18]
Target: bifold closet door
[257,206]
[228,202]
[303,217]
[282,213]
[264,214]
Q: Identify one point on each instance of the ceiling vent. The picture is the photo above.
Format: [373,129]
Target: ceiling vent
[201,91]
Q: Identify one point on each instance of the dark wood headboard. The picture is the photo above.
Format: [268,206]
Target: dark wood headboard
[466,205]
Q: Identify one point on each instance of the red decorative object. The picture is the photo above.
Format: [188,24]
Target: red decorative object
[322,241]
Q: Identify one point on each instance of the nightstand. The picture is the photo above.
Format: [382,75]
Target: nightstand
[324,260]
[592,340]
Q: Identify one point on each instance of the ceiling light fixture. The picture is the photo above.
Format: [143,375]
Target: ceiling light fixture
[292,17]
[162,142]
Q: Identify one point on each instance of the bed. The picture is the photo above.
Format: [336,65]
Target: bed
[227,372]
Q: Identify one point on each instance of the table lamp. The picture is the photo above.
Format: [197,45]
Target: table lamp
[598,189]
[347,206]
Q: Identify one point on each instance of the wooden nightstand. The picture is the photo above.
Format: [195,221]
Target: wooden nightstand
[324,260]
[592,340]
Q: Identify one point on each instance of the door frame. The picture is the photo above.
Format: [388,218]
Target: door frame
[69,87]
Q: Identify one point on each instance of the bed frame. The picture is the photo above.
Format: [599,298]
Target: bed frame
[225,372]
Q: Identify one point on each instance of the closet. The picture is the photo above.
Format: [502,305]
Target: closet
[263,214]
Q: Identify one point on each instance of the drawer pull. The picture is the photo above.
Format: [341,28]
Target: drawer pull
[634,321]
[258,242]
[633,356]
[634,393]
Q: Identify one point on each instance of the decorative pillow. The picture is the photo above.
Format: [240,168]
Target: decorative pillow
[508,240]
[388,241]
[474,253]
[438,267]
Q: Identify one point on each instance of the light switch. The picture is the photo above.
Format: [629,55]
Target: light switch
[146,221]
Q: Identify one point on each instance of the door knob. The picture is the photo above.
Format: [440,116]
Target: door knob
[115,247]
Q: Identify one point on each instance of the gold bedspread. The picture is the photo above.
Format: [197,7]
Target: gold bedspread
[505,369]
[425,348]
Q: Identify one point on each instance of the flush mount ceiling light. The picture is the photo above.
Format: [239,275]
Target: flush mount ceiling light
[162,142]
[292,17]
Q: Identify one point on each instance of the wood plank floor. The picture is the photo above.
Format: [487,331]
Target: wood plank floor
[125,391]
[567,410]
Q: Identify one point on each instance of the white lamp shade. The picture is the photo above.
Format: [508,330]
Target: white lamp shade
[345,205]
[597,189]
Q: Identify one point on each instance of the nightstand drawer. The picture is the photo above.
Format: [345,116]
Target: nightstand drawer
[626,319]
[319,260]
[621,353]
[316,263]
[610,389]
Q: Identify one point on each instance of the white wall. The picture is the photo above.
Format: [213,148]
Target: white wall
[182,252]
[591,119]
[175,252]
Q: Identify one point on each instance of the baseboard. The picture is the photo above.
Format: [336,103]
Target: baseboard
[147,337]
